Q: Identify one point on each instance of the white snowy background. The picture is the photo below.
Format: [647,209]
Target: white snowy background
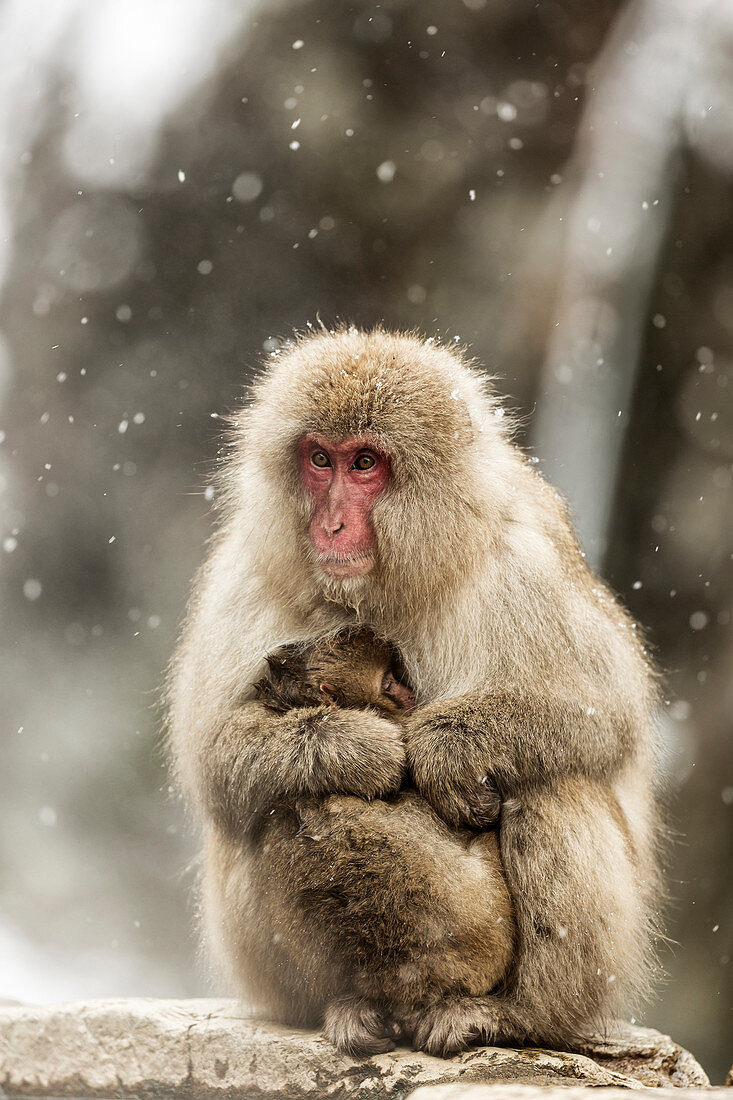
[183,182]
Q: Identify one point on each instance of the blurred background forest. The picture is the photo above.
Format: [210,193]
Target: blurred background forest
[183,183]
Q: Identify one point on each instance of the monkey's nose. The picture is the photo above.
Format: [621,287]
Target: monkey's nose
[332,527]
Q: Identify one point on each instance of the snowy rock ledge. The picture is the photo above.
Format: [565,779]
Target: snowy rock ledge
[207,1049]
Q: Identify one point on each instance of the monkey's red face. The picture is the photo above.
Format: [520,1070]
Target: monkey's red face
[343,478]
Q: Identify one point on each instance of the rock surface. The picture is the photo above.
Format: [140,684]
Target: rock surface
[554,1092]
[206,1049]
[650,1057]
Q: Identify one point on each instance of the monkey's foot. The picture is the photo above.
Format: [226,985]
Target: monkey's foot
[454,1024]
[358,1026]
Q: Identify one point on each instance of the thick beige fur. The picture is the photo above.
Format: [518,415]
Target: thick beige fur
[526,668]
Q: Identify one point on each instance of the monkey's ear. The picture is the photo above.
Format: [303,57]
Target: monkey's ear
[282,657]
[331,694]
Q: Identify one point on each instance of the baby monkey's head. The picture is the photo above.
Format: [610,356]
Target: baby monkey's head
[353,668]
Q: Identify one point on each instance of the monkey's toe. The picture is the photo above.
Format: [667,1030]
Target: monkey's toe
[395,1031]
[358,1027]
[453,1025]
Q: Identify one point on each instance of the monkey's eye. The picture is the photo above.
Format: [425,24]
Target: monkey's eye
[364,462]
[387,685]
[321,460]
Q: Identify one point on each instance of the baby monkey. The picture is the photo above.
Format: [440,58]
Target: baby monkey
[353,668]
[385,906]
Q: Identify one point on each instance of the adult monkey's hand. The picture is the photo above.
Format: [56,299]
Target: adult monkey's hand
[451,763]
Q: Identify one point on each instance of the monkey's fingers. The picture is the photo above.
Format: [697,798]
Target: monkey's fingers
[267,693]
[464,803]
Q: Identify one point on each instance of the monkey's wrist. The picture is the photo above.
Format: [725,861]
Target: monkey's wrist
[469,802]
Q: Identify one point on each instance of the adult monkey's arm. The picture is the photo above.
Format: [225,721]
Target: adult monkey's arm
[510,742]
[258,761]
[577,835]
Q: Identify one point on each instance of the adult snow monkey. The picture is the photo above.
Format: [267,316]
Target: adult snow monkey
[372,481]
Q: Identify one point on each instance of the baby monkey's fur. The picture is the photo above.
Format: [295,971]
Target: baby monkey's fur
[426,923]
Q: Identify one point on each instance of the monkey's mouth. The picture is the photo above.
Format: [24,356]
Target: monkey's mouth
[342,566]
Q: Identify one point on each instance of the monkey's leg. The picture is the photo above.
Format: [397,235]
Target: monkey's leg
[354,913]
[579,880]
[419,909]
[273,919]
[259,932]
